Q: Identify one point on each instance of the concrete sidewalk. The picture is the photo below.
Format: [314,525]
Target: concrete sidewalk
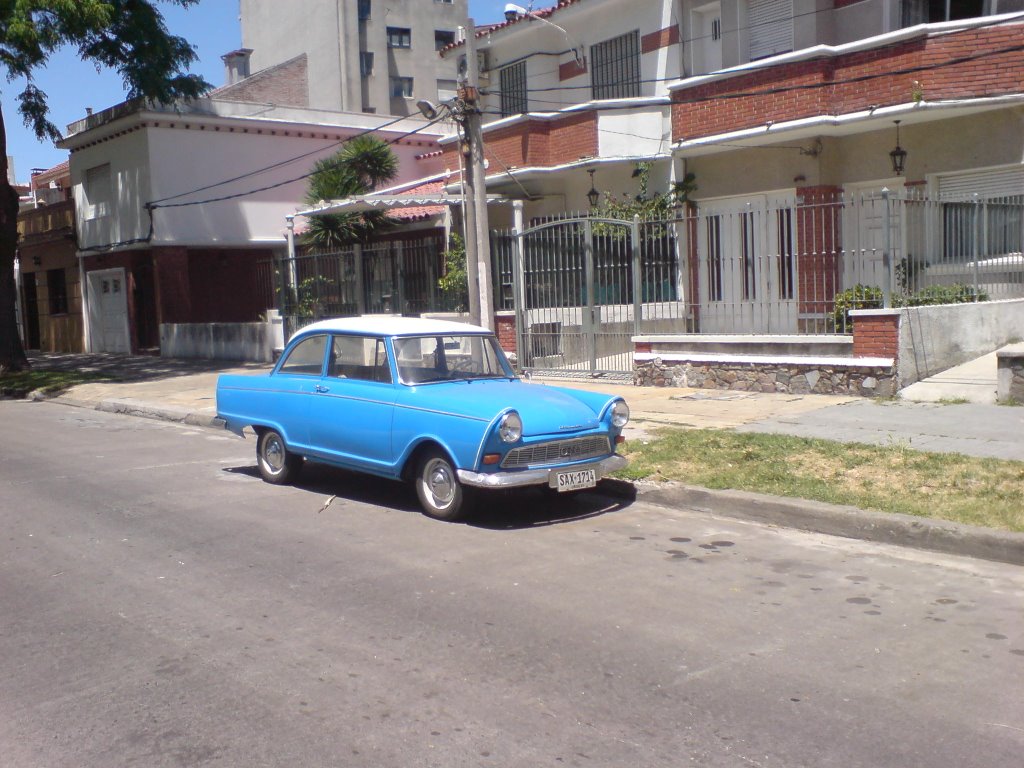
[185,391]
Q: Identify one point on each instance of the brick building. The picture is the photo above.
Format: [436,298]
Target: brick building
[833,144]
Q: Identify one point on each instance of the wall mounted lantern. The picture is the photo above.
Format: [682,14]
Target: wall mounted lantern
[898,155]
[593,195]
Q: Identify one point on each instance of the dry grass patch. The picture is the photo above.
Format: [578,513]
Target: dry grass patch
[986,492]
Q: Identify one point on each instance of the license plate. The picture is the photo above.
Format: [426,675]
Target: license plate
[573,481]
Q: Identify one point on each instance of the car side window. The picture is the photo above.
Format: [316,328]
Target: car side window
[306,357]
[362,358]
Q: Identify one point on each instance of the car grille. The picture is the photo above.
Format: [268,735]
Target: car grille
[557,452]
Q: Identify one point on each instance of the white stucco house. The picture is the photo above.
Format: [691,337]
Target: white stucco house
[179,208]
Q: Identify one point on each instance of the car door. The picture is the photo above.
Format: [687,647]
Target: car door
[353,406]
[286,402]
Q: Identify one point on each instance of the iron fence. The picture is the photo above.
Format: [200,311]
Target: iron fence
[393,277]
[582,286]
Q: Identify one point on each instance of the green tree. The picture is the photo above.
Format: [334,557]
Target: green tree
[359,167]
[454,284]
[650,207]
[128,36]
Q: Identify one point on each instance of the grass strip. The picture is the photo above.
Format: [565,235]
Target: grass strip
[21,383]
[895,478]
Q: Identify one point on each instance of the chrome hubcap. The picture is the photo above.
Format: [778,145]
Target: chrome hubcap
[439,482]
[273,453]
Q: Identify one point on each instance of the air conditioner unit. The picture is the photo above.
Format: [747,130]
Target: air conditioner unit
[481,66]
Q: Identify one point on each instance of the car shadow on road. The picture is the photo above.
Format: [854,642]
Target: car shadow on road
[538,507]
[493,510]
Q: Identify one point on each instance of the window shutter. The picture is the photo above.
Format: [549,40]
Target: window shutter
[1000,182]
[771,27]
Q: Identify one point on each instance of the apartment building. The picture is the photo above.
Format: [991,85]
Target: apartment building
[362,55]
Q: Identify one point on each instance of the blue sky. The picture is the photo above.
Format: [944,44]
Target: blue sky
[72,85]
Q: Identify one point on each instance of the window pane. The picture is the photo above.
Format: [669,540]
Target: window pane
[401,87]
[307,357]
[442,38]
[616,67]
[513,90]
[57,291]
[430,359]
[360,358]
[399,37]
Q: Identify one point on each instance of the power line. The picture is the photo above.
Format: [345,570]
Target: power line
[275,185]
[266,168]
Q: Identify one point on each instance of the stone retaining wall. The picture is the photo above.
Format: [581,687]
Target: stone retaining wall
[865,381]
[1010,373]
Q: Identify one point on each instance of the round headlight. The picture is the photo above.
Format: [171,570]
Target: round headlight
[620,414]
[511,427]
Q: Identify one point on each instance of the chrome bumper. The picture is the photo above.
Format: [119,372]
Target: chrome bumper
[537,476]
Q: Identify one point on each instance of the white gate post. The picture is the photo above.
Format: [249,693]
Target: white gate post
[519,281]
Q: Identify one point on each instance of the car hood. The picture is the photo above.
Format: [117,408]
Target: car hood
[544,410]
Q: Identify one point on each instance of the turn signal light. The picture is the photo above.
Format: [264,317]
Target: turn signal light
[492,458]
[619,439]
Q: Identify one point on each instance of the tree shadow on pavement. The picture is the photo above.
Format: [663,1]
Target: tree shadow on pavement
[133,368]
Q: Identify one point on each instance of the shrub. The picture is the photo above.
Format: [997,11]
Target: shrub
[870,297]
[858,297]
[942,294]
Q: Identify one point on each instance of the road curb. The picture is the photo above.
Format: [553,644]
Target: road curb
[848,522]
[140,408]
[813,516]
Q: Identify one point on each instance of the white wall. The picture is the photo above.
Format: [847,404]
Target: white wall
[585,24]
[933,339]
[153,163]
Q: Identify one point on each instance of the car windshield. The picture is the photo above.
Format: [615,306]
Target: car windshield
[428,359]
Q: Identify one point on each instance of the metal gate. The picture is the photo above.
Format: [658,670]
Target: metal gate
[582,287]
[397,277]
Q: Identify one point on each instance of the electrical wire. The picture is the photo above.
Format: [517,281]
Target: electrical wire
[150,207]
[266,168]
[275,185]
[892,44]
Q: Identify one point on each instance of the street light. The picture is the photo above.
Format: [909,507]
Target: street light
[513,11]
[898,155]
[593,195]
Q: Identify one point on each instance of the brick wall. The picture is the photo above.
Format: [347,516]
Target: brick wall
[571,69]
[876,333]
[537,142]
[818,245]
[663,38]
[505,329]
[286,84]
[856,81]
[141,299]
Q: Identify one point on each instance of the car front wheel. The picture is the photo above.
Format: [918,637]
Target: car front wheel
[276,464]
[440,493]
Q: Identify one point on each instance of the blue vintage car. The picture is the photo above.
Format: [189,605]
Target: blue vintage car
[430,401]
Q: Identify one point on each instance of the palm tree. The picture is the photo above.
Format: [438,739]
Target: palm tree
[359,167]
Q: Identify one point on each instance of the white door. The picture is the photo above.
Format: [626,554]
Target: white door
[707,39]
[108,311]
[864,238]
[747,266]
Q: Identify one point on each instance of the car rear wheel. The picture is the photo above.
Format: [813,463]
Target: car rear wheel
[275,463]
[437,485]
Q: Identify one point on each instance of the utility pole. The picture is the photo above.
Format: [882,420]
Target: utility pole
[478,236]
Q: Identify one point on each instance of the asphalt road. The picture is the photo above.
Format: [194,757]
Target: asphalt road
[160,606]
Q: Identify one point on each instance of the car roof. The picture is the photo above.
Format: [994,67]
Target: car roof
[389,325]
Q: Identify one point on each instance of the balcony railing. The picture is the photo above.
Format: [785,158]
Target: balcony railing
[47,219]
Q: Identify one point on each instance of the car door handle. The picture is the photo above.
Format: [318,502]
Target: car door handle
[322,388]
